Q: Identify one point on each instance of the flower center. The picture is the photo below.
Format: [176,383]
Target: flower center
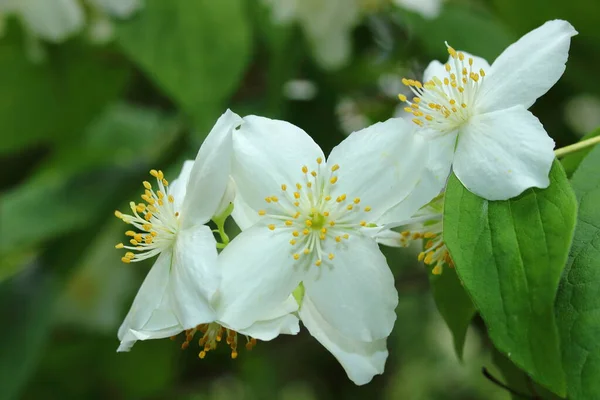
[156,219]
[312,216]
[429,227]
[444,103]
[212,335]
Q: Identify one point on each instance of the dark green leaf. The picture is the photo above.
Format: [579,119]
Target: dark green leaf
[509,256]
[571,161]
[518,381]
[578,300]
[196,51]
[454,304]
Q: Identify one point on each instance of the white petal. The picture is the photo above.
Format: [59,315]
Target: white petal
[268,153]
[268,330]
[259,274]
[433,180]
[361,360]
[502,153]
[278,321]
[387,237]
[210,173]
[53,20]
[380,164]
[243,215]
[177,188]
[194,276]
[528,68]
[227,199]
[355,291]
[427,8]
[118,8]
[332,50]
[150,312]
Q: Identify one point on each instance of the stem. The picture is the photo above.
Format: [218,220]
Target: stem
[563,151]
[494,380]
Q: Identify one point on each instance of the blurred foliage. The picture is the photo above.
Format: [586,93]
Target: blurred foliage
[81,130]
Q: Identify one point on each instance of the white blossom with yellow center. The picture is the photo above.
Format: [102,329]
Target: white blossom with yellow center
[177,294]
[309,219]
[426,225]
[479,112]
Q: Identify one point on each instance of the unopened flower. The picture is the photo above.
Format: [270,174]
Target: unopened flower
[311,220]
[177,294]
[501,148]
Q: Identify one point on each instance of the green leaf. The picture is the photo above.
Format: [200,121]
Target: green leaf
[196,51]
[26,315]
[55,100]
[454,304]
[578,300]
[64,195]
[464,28]
[571,161]
[509,256]
[518,381]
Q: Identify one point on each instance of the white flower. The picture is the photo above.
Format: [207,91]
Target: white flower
[51,20]
[118,8]
[101,29]
[501,148]
[426,224]
[327,25]
[312,221]
[427,8]
[178,291]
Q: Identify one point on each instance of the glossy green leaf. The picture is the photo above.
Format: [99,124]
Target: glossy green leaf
[196,51]
[578,300]
[454,304]
[510,256]
[571,161]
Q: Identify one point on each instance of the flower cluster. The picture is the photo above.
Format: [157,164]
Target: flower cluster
[312,224]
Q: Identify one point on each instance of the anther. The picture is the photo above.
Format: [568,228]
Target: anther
[333,180]
[261,212]
[284,187]
[319,160]
[330,256]
[305,169]
[335,167]
[271,227]
[296,256]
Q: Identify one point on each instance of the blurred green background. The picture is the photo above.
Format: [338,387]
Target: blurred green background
[81,126]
